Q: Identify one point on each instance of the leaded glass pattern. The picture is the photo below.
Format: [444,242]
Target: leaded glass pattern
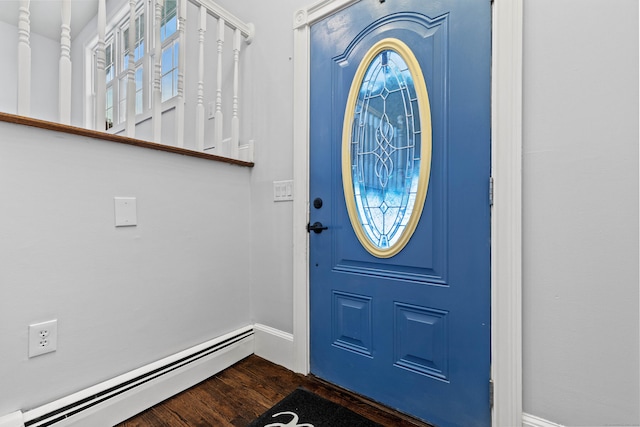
[385,148]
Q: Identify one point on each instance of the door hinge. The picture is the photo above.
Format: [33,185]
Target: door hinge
[491,393]
[490,191]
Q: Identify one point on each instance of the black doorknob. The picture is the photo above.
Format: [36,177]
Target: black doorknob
[316,227]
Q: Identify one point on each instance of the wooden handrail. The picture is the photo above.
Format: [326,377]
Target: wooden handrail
[73,130]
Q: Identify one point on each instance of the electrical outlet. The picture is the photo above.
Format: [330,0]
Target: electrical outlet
[43,338]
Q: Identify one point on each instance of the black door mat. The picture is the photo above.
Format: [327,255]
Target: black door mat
[302,408]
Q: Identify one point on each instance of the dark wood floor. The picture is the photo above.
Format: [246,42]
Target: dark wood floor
[239,394]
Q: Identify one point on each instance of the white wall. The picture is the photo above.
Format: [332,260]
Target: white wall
[269,69]
[580,208]
[123,297]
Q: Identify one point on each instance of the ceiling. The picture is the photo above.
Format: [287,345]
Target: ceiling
[45,15]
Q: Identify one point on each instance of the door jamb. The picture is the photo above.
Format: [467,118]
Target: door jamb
[506,218]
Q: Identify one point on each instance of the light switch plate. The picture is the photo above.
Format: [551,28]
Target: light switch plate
[126,211]
[282,191]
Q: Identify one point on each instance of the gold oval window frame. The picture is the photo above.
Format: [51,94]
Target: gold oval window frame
[425,145]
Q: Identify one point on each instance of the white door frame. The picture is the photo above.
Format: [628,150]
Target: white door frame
[506,215]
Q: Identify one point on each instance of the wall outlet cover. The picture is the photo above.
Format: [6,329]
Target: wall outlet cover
[126,211]
[43,338]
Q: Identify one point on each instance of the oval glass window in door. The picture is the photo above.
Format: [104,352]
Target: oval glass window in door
[386,148]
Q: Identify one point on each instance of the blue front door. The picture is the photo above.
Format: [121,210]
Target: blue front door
[399,176]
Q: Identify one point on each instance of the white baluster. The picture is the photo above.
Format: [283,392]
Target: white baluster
[218,117]
[200,106]
[64,82]
[182,17]
[131,74]
[235,121]
[101,76]
[24,59]
[157,75]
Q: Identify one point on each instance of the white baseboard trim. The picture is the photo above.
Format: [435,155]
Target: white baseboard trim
[274,345]
[529,420]
[120,398]
[13,419]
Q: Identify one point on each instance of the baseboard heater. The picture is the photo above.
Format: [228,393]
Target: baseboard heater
[47,415]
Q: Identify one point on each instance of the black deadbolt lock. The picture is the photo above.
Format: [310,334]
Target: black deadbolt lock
[317,203]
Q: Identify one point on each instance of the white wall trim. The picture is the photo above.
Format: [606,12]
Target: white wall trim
[506,244]
[506,215]
[533,421]
[274,345]
[301,190]
[154,383]
[13,419]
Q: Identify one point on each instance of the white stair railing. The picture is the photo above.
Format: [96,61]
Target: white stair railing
[220,144]
[220,137]
[217,143]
